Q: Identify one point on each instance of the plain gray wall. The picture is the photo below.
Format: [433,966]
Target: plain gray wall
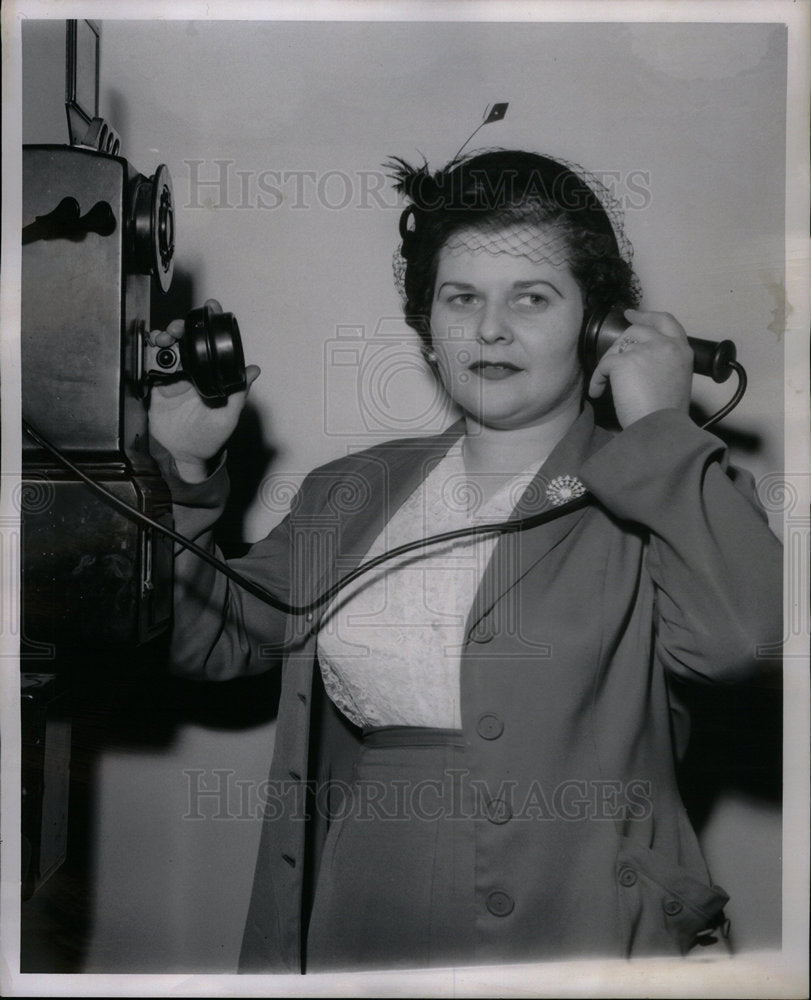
[687,120]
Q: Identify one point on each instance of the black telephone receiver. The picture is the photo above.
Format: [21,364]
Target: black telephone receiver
[209,354]
[602,328]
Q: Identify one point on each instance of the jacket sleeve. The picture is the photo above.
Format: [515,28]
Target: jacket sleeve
[220,631]
[715,564]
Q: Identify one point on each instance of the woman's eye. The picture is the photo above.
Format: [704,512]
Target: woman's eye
[463,299]
[531,300]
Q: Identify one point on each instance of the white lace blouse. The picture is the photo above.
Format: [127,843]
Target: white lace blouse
[389,645]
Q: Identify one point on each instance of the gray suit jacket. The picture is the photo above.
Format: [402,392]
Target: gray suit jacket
[576,627]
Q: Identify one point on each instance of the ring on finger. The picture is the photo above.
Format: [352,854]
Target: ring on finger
[625,343]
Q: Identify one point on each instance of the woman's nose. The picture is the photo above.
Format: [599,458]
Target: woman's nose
[493,324]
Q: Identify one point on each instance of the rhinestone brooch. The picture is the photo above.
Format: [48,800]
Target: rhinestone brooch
[562,489]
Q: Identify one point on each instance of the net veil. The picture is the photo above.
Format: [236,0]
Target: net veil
[544,211]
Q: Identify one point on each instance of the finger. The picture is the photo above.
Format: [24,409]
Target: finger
[252,373]
[171,389]
[631,337]
[167,337]
[662,322]
[667,335]
[632,340]
[161,338]
[598,382]
[214,304]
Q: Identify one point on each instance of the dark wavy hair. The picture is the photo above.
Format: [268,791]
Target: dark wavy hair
[502,187]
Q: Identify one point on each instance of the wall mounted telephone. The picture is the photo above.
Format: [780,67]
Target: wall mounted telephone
[95,575]
[95,233]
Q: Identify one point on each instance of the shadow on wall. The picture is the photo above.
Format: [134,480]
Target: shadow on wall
[735,746]
[731,783]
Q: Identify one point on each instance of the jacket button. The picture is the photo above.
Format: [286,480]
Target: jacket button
[627,877]
[500,903]
[672,907]
[499,811]
[489,726]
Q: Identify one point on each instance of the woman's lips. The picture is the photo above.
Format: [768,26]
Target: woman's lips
[493,371]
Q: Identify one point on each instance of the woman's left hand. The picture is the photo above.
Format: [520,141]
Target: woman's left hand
[649,367]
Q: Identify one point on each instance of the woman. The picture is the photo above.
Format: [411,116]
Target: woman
[490,776]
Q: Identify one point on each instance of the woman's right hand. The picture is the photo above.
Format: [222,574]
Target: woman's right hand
[190,429]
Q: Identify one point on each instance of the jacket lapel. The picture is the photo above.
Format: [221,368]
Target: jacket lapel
[515,554]
[382,481]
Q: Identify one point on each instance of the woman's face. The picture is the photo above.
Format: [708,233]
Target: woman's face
[505,331]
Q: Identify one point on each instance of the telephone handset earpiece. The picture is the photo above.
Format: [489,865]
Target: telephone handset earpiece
[602,328]
[209,354]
